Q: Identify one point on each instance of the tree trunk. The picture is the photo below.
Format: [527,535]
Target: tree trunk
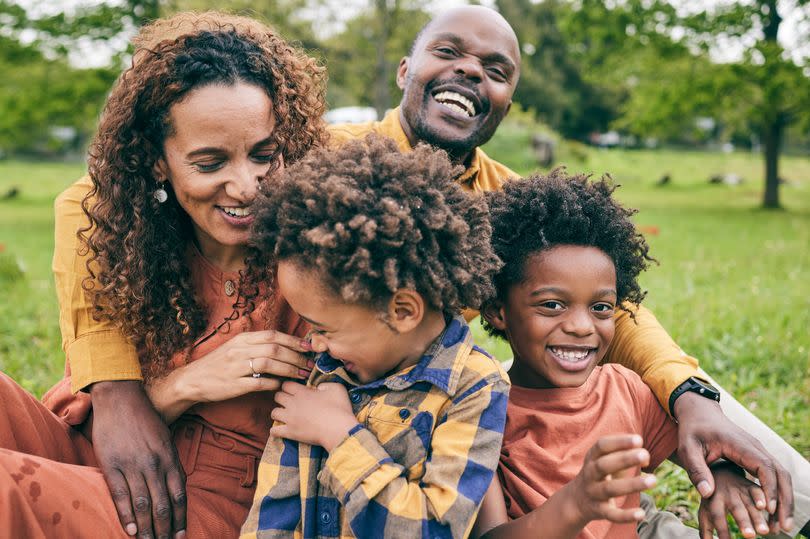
[772,138]
[382,98]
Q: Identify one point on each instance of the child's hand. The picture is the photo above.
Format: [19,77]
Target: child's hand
[314,415]
[606,474]
[733,494]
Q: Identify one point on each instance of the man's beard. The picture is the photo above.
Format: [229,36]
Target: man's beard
[479,134]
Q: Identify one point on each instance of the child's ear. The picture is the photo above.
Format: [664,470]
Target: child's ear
[406,309]
[492,311]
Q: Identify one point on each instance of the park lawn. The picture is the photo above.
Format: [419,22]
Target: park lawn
[732,287]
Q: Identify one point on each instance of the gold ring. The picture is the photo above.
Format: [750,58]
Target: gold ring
[255,374]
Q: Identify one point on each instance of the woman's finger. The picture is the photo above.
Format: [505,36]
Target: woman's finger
[274,367]
[253,385]
[277,337]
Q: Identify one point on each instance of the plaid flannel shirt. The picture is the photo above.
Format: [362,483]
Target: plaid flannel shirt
[417,464]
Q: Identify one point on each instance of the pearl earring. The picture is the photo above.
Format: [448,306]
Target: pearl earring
[160,194]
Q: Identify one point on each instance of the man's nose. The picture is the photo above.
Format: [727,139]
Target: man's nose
[470,68]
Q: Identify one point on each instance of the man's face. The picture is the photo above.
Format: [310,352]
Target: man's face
[458,83]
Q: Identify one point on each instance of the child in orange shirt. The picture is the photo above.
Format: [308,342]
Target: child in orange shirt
[571,258]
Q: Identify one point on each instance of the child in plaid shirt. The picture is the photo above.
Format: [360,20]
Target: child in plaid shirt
[398,430]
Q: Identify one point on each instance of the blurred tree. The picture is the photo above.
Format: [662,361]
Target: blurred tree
[673,81]
[363,58]
[39,91]
[554,82]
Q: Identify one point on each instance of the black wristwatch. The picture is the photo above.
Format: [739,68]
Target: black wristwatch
[696,385]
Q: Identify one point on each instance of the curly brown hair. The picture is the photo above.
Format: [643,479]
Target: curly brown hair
[373,220]
[537,213]
[139,276]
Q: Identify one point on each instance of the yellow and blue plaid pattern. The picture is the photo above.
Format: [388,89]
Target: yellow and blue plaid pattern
[417,464]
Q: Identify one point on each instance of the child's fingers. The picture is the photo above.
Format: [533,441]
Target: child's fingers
[739,511]
[717,517]
[619,515]
[614,488]
[610,444]
[618,461]
[757,518]
[705,523]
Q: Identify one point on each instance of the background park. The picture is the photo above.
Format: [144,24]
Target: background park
[699,110]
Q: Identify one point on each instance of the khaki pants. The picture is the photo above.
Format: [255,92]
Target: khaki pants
[659,524]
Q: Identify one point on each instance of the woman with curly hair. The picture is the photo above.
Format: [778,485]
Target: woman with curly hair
[150,251]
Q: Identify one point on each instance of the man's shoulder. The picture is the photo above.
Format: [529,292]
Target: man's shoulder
[491,173]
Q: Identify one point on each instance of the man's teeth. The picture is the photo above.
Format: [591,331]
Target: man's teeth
[237,212]
[456,102]
[569,354]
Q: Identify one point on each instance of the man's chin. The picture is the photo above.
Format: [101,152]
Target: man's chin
[453,140]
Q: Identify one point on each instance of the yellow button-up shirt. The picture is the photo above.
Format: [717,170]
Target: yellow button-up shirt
[97,351]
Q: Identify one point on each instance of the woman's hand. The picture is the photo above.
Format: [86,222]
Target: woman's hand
[313,415]
[227,371]
[609,472]
[135,452]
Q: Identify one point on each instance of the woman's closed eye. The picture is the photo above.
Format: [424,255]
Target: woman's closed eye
[208,165]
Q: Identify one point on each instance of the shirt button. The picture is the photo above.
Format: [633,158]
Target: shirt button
[356,398]
[404,413]
[230,288]
[326,518]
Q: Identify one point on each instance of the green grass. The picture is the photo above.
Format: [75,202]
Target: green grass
[732,287]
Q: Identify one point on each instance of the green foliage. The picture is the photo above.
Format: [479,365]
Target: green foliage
[352,54]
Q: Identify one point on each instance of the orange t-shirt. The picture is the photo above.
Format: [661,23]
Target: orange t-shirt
[549,431]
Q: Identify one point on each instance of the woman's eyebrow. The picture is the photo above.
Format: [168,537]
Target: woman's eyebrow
[312,322]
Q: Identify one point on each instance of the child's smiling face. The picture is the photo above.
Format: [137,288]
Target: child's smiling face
[354,334]
[559,319]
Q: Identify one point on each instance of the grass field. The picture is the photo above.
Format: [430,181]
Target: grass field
[732,287]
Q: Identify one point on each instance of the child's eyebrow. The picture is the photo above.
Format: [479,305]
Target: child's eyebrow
[548,290]
[606,292]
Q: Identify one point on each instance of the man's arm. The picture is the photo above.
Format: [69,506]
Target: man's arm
[644,346]
[704,432]
[464,452]
[96,350]
[139,461]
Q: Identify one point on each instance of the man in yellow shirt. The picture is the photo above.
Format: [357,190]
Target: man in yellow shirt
[457,84]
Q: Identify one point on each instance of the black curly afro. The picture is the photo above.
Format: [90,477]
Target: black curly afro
[373,220]
[540,212]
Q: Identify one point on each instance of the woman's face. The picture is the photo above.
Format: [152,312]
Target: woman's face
[218,149]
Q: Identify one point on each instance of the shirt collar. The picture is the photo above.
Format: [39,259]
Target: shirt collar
[441,364]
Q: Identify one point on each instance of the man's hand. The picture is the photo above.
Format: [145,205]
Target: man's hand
[136,453]
[313,415]
[735,495]
[705,435]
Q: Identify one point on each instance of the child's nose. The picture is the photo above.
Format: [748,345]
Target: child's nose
[578,322]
